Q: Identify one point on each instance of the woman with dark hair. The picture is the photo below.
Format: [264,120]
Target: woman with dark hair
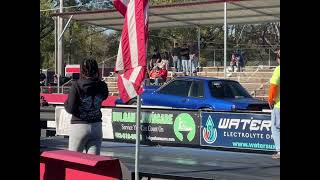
[164,62]
[153,62]
[84,103]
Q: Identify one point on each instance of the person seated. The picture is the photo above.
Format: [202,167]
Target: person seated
[152,63]
[164,62]
[43,102]
[156,76]
[164,74]
[161,64]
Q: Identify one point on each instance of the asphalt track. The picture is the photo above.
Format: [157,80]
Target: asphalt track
[187,162]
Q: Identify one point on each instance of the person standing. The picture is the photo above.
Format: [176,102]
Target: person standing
[42,78]
[233,61]
[185,58]
[84,103]
[239,61]
[175,53]
[274,102]
[194,60]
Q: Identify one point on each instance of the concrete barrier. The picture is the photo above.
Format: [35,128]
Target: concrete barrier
[69,165]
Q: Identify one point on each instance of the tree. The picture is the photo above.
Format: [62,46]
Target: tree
[46,22]
[46,35]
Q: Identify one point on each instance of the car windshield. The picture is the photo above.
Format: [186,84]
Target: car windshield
[227,89]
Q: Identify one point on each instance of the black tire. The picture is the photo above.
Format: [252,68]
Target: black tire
[206,109]
[132,102]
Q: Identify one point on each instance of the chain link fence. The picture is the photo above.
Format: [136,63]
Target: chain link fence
[252,56]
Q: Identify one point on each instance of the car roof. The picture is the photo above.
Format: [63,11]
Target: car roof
[201,78]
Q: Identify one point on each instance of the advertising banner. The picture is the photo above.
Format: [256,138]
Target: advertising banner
[63,118]
[161,126]
[237,130]
[62,121]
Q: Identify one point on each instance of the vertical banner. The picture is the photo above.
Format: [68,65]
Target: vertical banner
[161,126]
[237,130]
[62,119]
[107,129]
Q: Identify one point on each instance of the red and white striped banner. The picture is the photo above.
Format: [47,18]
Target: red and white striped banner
[132,52]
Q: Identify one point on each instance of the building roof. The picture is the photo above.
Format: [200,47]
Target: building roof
[200,13]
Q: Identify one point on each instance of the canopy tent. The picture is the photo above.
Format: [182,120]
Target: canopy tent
[188,14]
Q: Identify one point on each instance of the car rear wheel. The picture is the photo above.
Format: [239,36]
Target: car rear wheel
[132,102]
[206,109]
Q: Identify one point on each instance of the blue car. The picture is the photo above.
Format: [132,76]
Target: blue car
[200,93]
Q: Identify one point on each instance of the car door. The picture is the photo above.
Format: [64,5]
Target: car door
[196,95]
[174,94]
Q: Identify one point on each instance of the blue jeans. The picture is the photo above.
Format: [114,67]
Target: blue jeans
[176,63]
[156,81]
[185,65]
[275,127]
[193,64]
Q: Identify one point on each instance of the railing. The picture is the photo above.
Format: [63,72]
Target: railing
[62,90]
[253,93]
[53,89]
[47,118]
[103,62]
[253,56]
[252,74]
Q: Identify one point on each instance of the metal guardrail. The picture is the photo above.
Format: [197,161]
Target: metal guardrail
[253,93]
[252,74]
[47,115]
[63,85]
[169,176]
[54,89]
[47,109]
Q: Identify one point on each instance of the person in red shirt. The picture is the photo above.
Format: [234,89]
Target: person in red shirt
[163,74]
[158,76]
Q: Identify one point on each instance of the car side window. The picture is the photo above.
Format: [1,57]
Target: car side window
[177,88]
[197,89]
[220,89]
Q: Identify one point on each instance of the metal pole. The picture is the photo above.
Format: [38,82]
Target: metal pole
[60,46]
[55,45]
[199,34]
[102,70]
[269,58]
[58,83]
[225,40]
[138,116]
[214,58]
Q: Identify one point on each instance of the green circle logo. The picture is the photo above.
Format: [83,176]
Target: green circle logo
[184,126]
